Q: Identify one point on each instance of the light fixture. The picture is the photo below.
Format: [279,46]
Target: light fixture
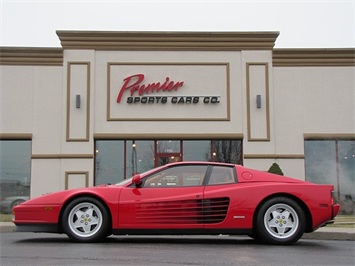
[258,101]
[77,101]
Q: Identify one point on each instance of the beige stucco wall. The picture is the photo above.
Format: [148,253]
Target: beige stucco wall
[312,100]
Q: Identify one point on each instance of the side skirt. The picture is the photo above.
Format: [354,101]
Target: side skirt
[182,231]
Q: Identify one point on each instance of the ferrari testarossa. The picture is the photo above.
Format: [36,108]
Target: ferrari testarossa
[185,198]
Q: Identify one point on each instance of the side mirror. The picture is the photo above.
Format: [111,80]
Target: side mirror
[137,180]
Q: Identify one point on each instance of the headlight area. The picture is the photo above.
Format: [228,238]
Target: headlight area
[36,213]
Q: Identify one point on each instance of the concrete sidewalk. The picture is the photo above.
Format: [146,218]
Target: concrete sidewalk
[332,233]
[324,233]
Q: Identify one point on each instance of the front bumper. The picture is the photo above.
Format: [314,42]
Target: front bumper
[37,228]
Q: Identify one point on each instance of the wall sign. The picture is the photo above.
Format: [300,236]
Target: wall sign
[171,91]
[137,89]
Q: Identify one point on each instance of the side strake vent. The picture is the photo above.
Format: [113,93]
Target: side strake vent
[215,210]
[183,212]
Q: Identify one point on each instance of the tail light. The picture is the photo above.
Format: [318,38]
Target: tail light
[334,197]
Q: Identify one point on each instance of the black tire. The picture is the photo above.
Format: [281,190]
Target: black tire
[255,237]
[86,220]
[280,221]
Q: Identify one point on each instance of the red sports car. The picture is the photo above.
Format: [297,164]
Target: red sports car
[185,198]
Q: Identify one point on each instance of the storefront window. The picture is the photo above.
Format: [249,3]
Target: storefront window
[197,150]
[227,151]
[333,162]
[109,161]
[15,172]
[140,156]
[320,160]
[168,146]
[117,160]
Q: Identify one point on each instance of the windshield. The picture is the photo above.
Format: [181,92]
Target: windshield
[125,182]
[129,180]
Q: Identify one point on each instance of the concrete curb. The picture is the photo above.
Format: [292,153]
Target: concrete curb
[7,227]
[332,233]
[324,233]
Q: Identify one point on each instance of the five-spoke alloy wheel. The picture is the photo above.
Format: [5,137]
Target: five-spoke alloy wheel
[280,220]
[85,219]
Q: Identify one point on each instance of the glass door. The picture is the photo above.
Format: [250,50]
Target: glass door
[162,160]
[167,151]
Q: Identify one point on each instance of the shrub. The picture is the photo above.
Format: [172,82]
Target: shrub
[275,169]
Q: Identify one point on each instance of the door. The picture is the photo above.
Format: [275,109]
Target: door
[163,159]
[169,199]
[221,197]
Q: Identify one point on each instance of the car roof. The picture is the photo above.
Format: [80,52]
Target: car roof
[200,163]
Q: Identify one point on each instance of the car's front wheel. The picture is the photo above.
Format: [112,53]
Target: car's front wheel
[280,220]
[85,219]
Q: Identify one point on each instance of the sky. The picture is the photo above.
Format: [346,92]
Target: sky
[301,23]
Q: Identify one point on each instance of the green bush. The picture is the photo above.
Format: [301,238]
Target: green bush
[275,169]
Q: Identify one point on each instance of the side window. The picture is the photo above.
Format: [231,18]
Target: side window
[180,176]
[222,175]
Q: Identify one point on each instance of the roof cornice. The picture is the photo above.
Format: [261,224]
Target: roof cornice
[31,56]
[167,41]
[313,57]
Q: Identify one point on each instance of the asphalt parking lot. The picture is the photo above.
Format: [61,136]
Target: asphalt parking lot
[324,233]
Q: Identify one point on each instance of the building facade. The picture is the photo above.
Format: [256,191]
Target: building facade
[107,105]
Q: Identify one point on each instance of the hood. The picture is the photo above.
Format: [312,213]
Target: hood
[61,196]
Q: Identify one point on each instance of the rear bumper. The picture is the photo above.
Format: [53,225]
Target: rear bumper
[328,222]
[335,210]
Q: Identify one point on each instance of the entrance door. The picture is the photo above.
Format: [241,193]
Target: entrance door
[167,151]
[161,160]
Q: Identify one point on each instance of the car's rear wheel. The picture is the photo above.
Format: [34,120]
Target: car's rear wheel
[280,220]
[85,219]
